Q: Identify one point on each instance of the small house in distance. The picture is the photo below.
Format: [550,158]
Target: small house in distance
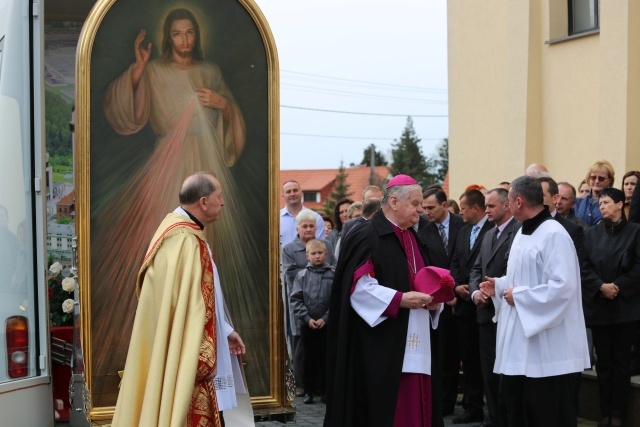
[317,183]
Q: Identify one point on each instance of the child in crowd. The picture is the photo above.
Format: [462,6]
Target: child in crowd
[310,303]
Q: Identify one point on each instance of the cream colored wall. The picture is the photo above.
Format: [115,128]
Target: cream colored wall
[632,160]
[514,100]
[571,92]
[477,75]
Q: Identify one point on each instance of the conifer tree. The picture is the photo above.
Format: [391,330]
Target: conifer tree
[407,157]
[378,157]
[442,161]
[339,190]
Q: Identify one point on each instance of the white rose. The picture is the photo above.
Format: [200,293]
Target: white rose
[55,268]
[67,306]
[68,284]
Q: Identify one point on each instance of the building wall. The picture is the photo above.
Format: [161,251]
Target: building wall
[515,100]
[59,247]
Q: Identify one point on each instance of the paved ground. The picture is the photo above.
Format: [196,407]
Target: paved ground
[313,415]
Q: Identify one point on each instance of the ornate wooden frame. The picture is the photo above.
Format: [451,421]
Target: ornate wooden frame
[278,396]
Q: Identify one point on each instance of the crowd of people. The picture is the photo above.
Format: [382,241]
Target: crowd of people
[546,278]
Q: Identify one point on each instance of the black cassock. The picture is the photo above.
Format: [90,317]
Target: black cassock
[364,364]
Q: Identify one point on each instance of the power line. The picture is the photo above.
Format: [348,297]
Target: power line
[353,137]
[414,88]
[312,89]
[362,113]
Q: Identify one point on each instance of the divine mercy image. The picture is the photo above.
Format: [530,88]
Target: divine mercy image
[175,104]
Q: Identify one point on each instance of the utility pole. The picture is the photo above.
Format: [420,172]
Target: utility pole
[372,156]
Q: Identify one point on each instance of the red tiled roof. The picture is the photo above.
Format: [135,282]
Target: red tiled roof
[321,180]
[68,200]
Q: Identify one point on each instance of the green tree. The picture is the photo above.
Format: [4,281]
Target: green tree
[339,190]
[57,118]
[63,220]
[379,158]
[441,162]
[407,157]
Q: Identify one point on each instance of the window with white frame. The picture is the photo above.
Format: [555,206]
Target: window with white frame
[311,196]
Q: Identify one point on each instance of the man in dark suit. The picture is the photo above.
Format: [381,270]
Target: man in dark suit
[439,228]
[492,262]
[564,203]
[467,248]
[550,194]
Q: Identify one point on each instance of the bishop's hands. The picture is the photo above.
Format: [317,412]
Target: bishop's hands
[413,300]
[142,58]
[236,346]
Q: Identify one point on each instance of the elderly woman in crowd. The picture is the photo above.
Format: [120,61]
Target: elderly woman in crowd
[294,259]
[600,176]
[294,256]
[340,216]
[611,300]
[629,182]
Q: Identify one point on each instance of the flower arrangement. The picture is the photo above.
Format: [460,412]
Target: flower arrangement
[60,296]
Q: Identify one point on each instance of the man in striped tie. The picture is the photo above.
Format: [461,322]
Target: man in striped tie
[465,252]
[439,232]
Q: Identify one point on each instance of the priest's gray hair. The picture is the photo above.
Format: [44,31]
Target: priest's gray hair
[196,186]
[305,215]
[529,188]
[400,191]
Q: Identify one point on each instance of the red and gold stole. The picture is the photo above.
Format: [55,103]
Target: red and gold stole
[203,411]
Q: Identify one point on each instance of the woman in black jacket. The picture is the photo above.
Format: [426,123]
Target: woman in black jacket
[611,300]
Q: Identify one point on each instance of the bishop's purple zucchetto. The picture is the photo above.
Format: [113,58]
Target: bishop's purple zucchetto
[401,180]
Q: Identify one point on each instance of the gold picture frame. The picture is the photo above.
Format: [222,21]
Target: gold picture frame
[105,168]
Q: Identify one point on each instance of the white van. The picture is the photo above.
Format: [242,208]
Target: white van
[25,386]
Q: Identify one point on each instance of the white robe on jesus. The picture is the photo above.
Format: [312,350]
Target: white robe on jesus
[189,138]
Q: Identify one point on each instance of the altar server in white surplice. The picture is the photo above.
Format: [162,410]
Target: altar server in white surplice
[541,338]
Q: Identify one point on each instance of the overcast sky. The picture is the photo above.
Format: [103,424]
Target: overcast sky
[377,57]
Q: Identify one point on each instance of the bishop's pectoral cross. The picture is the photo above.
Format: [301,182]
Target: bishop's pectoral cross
[413,341]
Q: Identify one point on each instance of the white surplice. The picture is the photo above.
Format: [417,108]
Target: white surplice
[544,333]
[370,299]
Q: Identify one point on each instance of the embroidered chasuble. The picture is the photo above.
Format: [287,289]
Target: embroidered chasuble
[173,344]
